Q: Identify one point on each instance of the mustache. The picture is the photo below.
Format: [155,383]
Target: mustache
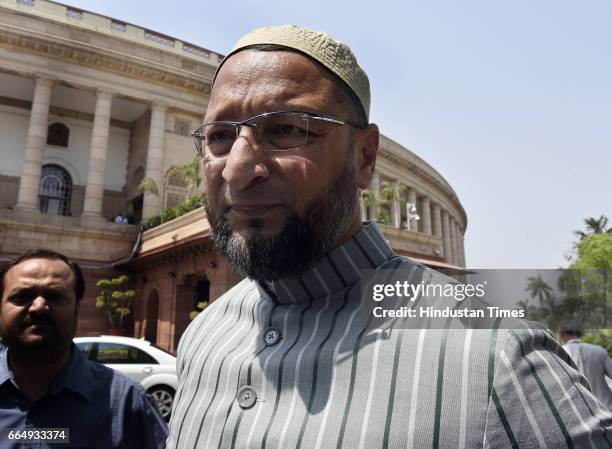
[254,194]
[41,319]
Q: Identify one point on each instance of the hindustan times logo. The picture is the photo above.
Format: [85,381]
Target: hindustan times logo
[405,289]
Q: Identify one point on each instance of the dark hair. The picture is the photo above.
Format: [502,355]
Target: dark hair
[570,327]
[345,93]
[79,280]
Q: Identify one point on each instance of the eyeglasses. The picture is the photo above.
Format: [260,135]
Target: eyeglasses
[278,131]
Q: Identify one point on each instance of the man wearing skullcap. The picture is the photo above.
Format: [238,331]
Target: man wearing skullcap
[291,357]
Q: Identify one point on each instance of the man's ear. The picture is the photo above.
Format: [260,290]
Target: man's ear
[366,151]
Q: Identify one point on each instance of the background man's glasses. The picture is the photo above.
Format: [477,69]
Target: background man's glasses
[277,131]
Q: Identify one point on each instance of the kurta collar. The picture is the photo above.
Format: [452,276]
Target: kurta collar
[341,267]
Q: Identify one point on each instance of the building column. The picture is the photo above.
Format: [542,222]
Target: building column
[155,156]
[412,223]
[458,244]
[27,198]
[459,236]
[463,262]
[426,215]
[453,240]
[94,191]
[448,253]
[375,188]
[437,221]
[396,212]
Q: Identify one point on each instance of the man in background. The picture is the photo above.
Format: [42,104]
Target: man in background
[45,381]
[593,361]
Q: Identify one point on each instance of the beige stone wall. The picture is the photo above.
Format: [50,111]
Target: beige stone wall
[9,185]
[179,149]
[46,41]
[155,159]
[149,44]
[92,242]
[76,200]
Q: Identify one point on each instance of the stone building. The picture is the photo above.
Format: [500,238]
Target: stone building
[89,106]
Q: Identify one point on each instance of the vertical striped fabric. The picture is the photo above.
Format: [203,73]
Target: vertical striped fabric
[336,381]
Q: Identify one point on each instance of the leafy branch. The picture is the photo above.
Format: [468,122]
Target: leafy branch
[115,299]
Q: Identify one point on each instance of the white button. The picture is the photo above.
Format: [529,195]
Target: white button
[271,336]
[246,397]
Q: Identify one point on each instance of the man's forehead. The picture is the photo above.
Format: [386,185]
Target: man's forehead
[38,269]
[285,60]
[269,77]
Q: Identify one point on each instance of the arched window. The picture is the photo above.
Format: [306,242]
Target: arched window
[175,188]
[55,191]
[58,135]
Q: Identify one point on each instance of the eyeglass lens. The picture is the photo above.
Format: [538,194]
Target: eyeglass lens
[280,131]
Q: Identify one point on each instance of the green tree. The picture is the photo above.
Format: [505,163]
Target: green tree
[148,185]
[594,252]
[595,264]
[531,312]
[595,226]
[383,217]
[191,174]
[115,299]
[368,197]
[585,284]
[388,192]
[602,338]
[538,288]
[547,311]
[391,191]
[199,308]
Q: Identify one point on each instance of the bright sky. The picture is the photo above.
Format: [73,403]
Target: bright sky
[510,101]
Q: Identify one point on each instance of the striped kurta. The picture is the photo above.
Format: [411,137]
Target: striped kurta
[299,363]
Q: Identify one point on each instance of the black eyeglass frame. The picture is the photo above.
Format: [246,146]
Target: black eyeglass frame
[198,137]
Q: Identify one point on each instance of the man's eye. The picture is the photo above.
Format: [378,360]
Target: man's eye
[220,136]
[20,299]
[286,130]
[57,299]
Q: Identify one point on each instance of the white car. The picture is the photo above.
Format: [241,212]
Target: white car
[152,367]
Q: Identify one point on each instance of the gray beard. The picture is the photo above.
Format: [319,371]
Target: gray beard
[301,243]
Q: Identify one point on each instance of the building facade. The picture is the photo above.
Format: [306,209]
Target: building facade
[91,105]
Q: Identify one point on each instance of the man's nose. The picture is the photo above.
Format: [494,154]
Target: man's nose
[39,304]
[246,162]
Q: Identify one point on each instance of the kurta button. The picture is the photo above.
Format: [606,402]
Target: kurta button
[271,336]
[246,397]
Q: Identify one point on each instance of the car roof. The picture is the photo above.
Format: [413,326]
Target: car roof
[117,339]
